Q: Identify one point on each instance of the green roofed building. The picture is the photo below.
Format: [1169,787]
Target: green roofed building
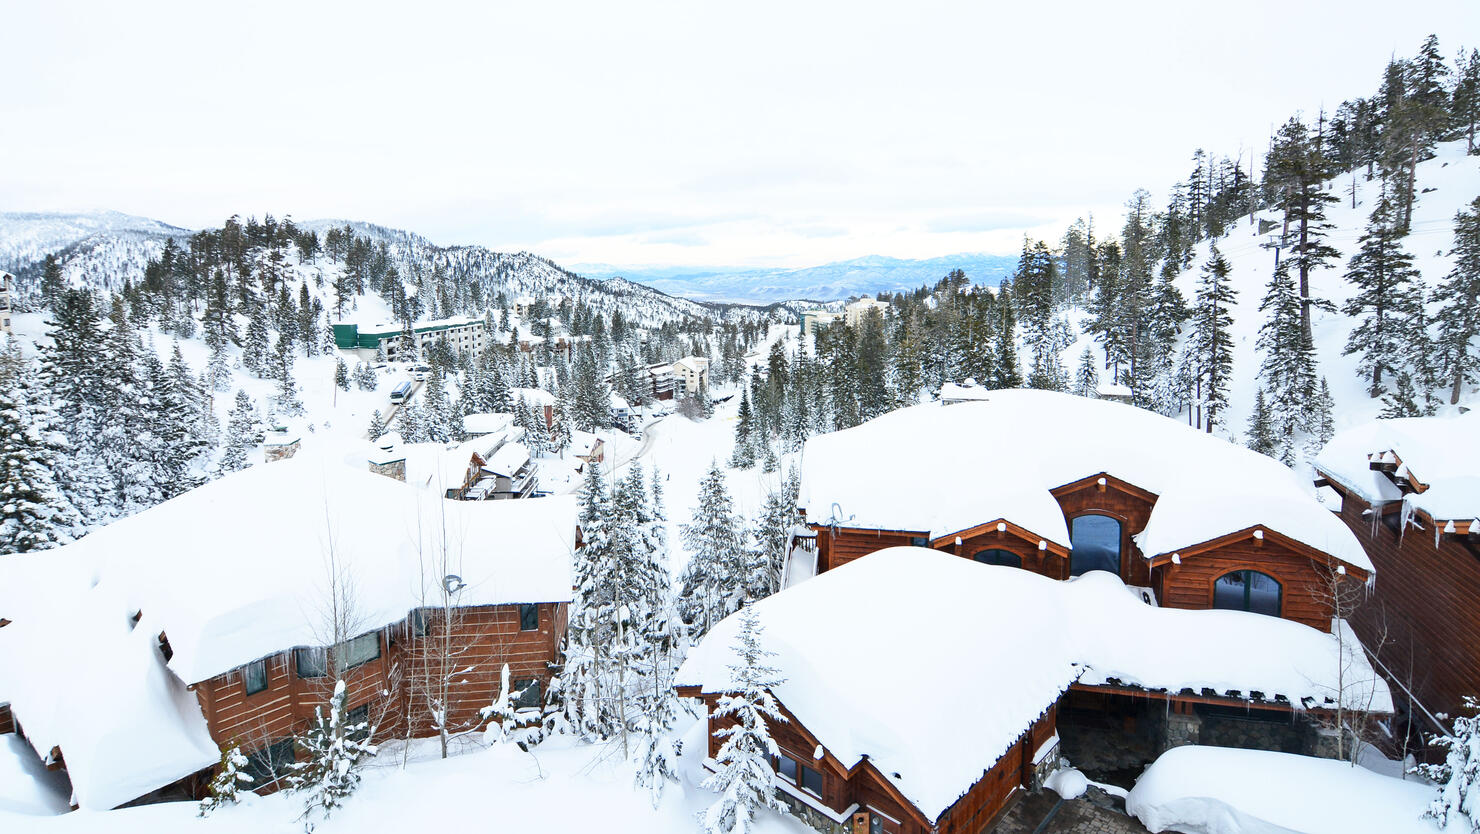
[462,333]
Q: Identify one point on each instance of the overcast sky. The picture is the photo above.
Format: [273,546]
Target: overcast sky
[668,133]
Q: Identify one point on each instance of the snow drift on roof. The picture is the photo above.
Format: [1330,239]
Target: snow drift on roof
[87,680]
[959,625]
[941,470]
[1442,453]
[230,586]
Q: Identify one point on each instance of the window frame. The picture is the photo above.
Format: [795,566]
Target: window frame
[269,763]
[1246,575]
[311,653]
[1120,547]
[803,770]
[525,610]
[258,666]
[976,557]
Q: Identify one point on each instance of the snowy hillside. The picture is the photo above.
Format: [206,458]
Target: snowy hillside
[104,250]
[838,280]
[1445,183]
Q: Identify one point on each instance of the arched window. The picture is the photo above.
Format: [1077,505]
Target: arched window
[1096,540]
[1248,590]
[995,556]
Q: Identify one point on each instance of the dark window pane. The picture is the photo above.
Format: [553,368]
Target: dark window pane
[529,617]
[255,676]
[361,650]
[1248,590]
[312,663]
[526,693]
[1264,594]
[788,768]
[268,764]
[919,541]
[357,722]
[811,780]
[419,622]
[1096,541]
[999,557]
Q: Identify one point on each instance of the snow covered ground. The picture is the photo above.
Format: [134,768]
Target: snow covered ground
[560,786]
[1218,790]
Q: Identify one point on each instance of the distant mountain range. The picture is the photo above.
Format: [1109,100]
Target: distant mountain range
[840,279]
[102,249]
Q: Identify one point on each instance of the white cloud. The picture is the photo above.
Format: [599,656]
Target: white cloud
[768,133]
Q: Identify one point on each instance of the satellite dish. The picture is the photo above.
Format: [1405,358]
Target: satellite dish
[453,583]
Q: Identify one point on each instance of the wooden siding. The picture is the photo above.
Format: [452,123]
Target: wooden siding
[1423,600]
[1302,580]
[1122,501]
[837,546]
[7,720]
[486,637]
[1052,562]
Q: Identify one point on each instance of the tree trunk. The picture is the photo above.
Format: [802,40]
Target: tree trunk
[1459,379]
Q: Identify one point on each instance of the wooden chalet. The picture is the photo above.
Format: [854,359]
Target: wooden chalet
[1074,494]
[1409,489]
[861,756]
[206,631]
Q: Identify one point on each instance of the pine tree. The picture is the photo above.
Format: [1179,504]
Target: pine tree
[334,751]
[712,584]
[377,426]
[438,414]
[1323,419]
[743,456]
[411,423]
[256,343]
[1458,299]
[341,374]
[1210,348]
[1464,104]
[746,781]
[1261,431]
[282,372]
[1288,371]
[228,782]
[52,282]
[1086,377]
[35,514]
[1458,777]
[1295,174]
[1007,372]
[241,426]
[1403,401]
[778,517]
[1386,299]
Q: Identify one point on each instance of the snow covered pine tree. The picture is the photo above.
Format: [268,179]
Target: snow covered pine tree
[746,781]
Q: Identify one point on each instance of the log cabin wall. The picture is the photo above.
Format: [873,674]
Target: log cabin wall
[1423,600]
[839,546]
[7,720]
[1122,501]
[1304,597]
[486,637]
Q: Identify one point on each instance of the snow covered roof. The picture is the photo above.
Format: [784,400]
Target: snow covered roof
[487,423]
[84,679]
[534,396]
[966,390]
[943,470]
[1441,454]
[229,587]
[508,460]
[693,363]
[826,630]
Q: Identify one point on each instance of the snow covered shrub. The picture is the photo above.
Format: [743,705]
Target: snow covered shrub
[228,782]
[1459,776]
[335,750]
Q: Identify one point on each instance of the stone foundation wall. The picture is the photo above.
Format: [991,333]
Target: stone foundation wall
[811,816]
